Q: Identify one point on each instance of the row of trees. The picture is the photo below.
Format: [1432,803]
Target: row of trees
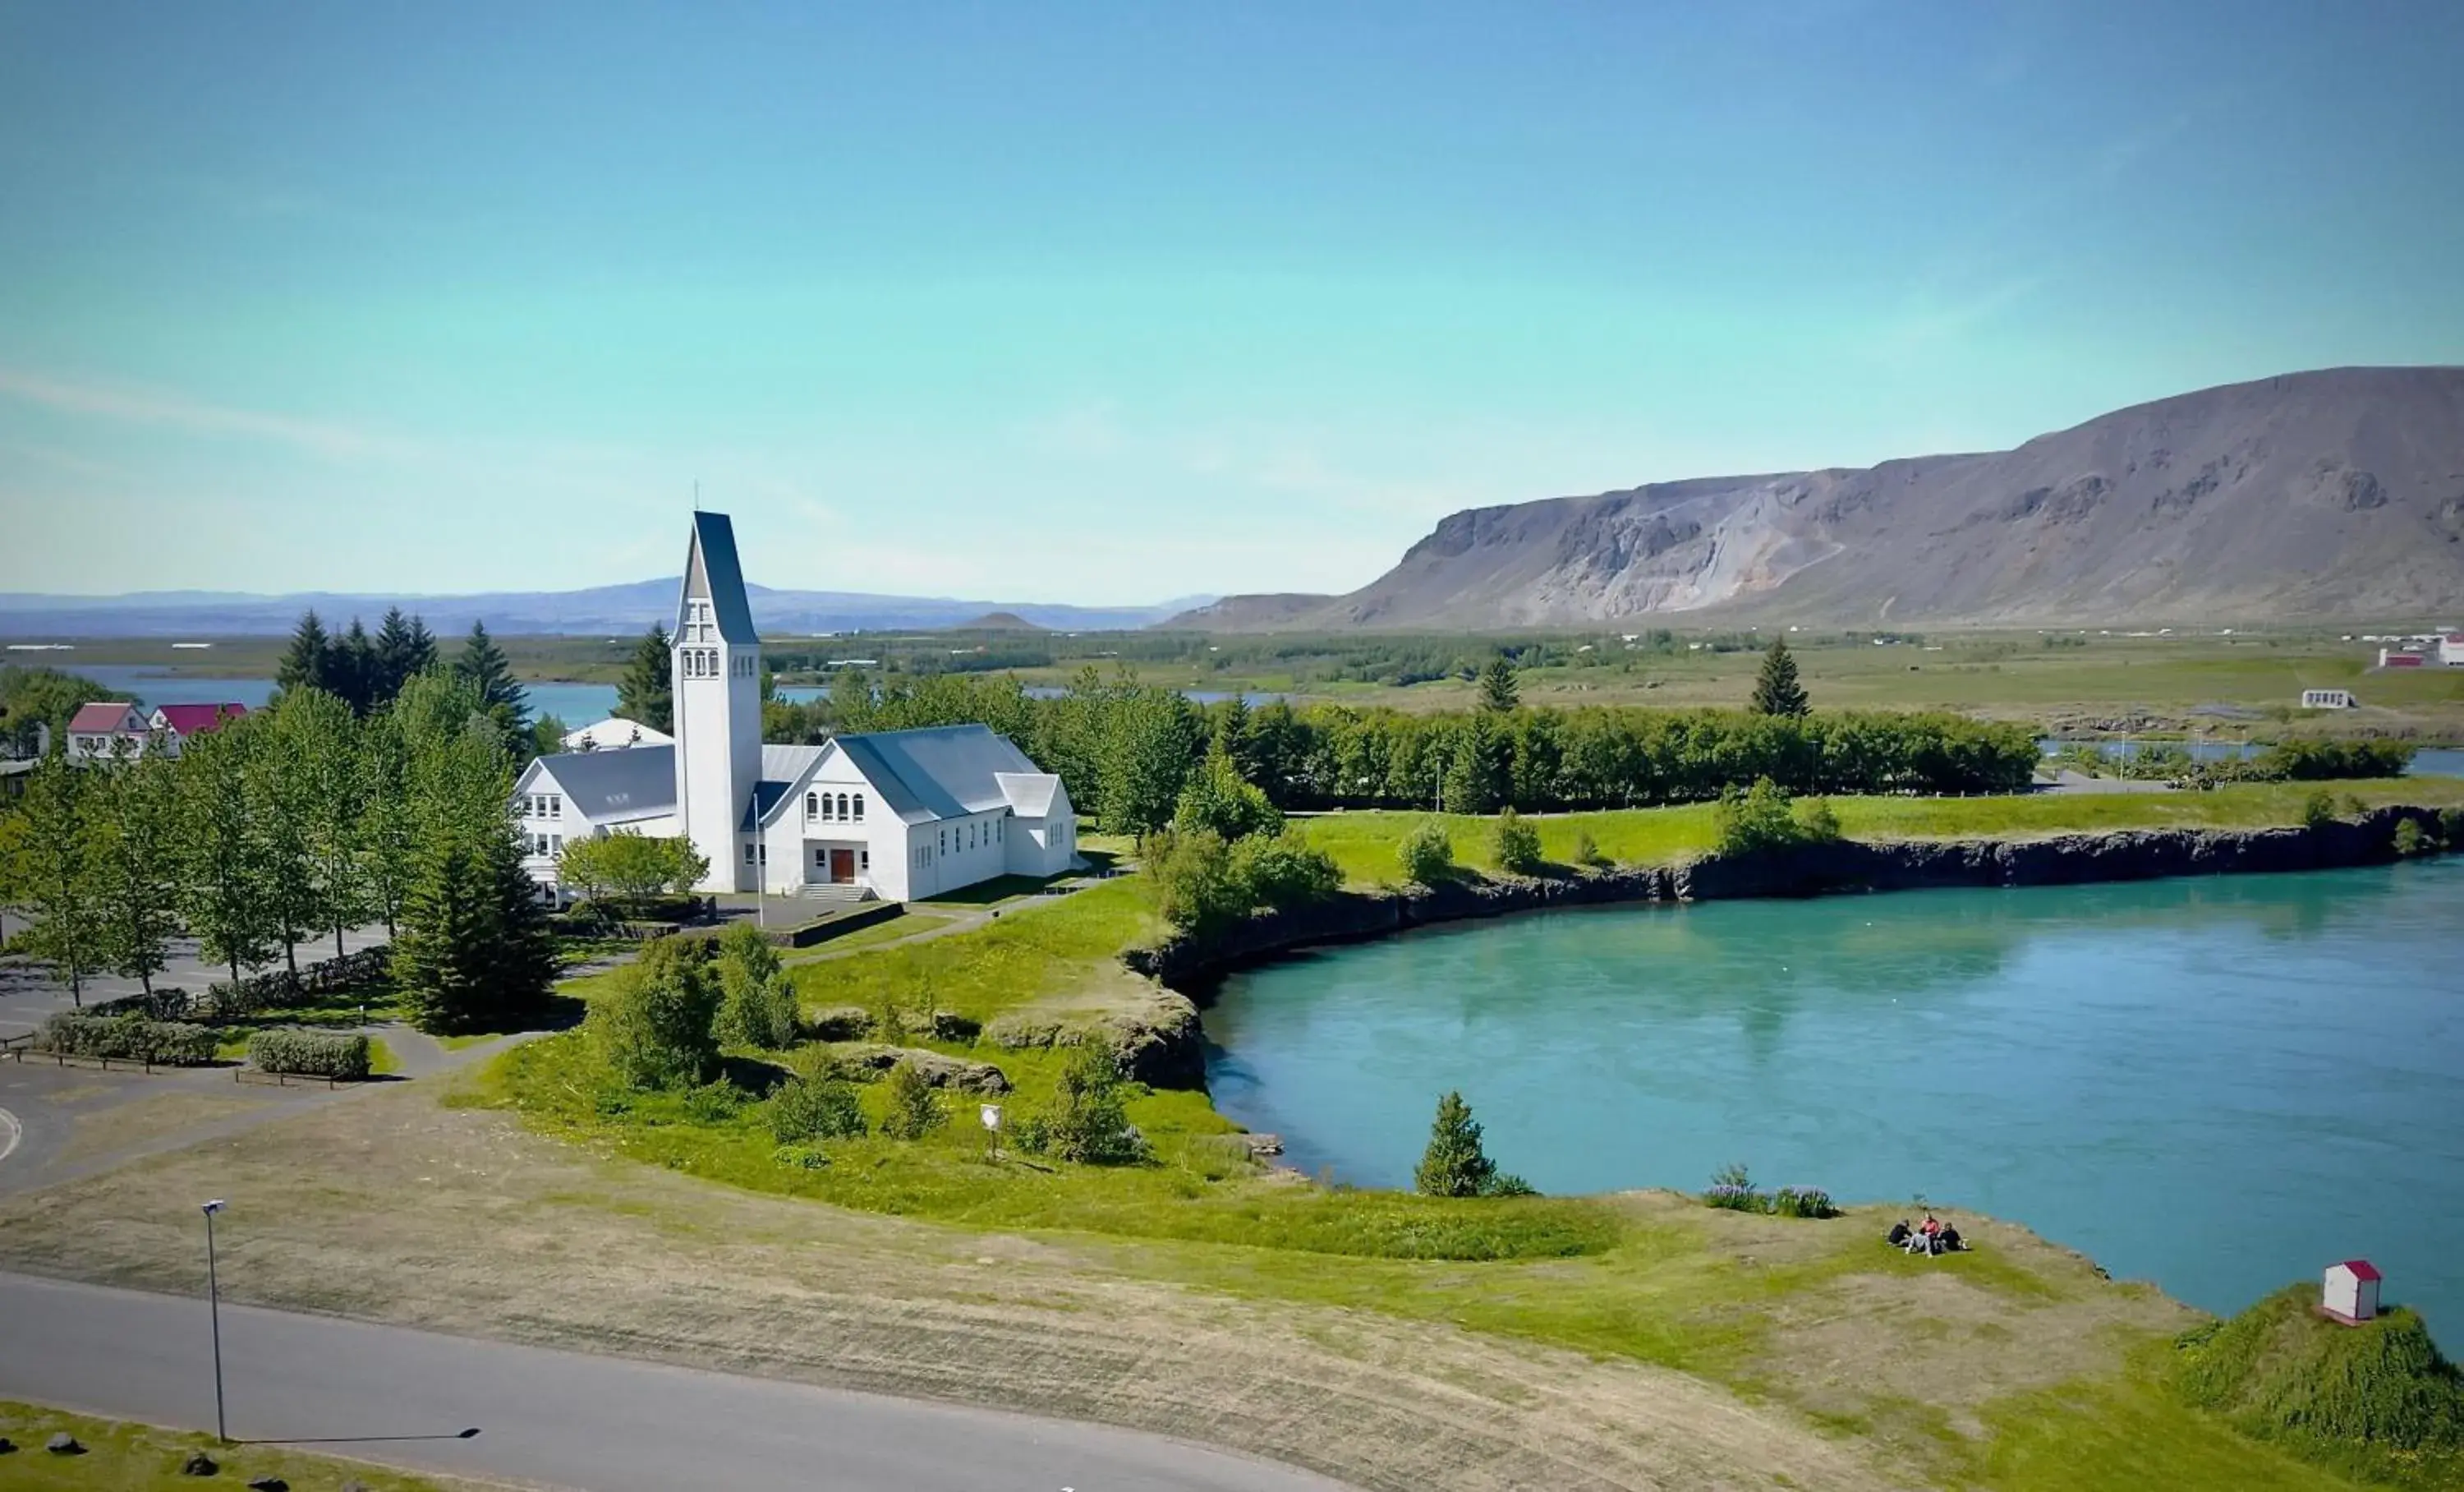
[1125,750]
[290,825]
[367,673]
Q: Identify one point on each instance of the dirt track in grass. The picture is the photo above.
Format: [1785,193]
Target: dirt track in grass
[395,1209]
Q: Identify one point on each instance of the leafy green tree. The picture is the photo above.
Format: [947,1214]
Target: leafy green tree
[1515,843]
[630,868]
[221,882]
[1284,871]
[1219,800]
[387,831]
[137,869]
[1195,888]
[1498,691]
[756,1001]
[1454,1165]
[316,748]
[306,664]
[1777,690]
[32,698]
[915,1109]
[547,736]
[1147,741]
[484,667]
[1757,819]
[646,694]
[56,879]
[405,649]
[1427,855]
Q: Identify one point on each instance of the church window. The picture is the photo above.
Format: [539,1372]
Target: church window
[943,839]
[812,805]
[748,854]
[842,805]
[859,807]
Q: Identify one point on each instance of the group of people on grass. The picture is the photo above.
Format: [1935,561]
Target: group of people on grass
[1933,1235]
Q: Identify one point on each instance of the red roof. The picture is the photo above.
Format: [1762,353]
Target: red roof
[2362,1268]
[101,715]
[190,719]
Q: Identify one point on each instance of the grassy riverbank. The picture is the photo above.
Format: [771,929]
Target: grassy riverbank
[127,1457]
[2035,1372]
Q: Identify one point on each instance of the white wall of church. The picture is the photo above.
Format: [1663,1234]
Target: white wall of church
[718,738]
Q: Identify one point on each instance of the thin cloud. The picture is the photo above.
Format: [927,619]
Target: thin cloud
[172,409]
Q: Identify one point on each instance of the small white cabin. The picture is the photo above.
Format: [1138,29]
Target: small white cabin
[2351,1291]
[2326,698]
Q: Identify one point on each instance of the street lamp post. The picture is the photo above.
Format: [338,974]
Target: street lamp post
[214,1312]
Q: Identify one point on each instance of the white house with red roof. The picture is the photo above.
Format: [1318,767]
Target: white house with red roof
[105,729]
[174,725]
[2350,1292]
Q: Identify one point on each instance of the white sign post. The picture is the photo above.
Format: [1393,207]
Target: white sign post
[991,1116]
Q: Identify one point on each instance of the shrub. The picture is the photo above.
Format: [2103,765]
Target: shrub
[2319,809]
[1803,1202]
[1285,871]
[1194,887]
[312,1054]
[1732,1189]
[1220,801]
[1754,819]
[1427,854]
[756,1004]
[1515,844]
[2318,761]
[654,1027]
[1587,850]
[915,1108]
[2409,837]
[1816,823]
[815,1108]
[2451,827]
[1086,1121]
[129,1038]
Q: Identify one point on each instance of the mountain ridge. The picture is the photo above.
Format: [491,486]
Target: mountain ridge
[2335,493]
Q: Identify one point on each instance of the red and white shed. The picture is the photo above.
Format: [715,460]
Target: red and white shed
[2352,1291]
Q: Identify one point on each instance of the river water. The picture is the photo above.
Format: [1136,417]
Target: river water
[2222,1084]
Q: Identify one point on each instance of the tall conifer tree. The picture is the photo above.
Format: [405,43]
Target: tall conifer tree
[306,662]
[489,676]
[1778,691]
[646,693]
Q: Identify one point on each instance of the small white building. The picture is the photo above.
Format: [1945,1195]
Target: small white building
[899,815]
[2351,1291]
[2450,649]
[615,734]
[104,728]
[2327,699]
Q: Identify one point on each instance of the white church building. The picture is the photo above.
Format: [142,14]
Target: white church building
[900,816]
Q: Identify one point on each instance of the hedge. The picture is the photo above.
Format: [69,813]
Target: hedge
[129,1038]
[310,1054]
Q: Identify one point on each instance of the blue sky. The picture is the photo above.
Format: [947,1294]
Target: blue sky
[1110,304]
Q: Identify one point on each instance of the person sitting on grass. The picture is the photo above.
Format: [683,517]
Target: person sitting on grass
[1898,1236]
[1948,1240]
[1929,1239]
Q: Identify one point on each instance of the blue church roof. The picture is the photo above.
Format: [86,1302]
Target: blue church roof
[715,538]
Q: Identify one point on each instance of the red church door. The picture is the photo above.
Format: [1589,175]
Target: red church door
[842,866]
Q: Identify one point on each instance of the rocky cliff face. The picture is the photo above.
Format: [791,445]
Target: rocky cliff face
[2329,494]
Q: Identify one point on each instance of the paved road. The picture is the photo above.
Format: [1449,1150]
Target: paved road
[600,1423]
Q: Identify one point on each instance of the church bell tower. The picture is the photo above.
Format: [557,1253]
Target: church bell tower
[717,662]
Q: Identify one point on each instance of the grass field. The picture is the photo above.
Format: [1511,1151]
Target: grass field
[1364,843]
[125,1457]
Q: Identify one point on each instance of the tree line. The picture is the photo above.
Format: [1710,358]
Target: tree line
[368,672]
[1125,750]
[286,827]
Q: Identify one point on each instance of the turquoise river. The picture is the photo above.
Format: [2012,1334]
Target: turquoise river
[2220,1084]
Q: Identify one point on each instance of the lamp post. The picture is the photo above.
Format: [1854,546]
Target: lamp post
[214,1312]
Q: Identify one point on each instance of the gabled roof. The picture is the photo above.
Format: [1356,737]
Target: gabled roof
[2362,1268]
[782,767]
[639,783]
[103,715]
[615,734]
[1030,794]
[189,720]
[713,540]
[948,772]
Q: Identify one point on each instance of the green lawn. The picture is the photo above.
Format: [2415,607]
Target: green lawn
[127,1456]
[1364,843]
[905,926]
[1651,1278]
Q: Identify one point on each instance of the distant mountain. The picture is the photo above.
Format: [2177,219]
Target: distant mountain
[999,621]
[2337,494]
[603,610]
